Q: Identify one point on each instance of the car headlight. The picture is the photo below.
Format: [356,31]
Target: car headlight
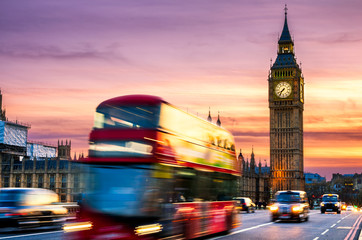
[322,204]
[273,208]
[296,209]
[336,204]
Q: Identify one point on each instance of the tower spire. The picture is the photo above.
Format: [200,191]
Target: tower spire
[218,119]
[285,36]
[209,117]
[286,57]
[241,157]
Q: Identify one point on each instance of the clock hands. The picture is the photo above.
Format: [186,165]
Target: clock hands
[281,91]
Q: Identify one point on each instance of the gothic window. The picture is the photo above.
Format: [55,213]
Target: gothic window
[61,164]
[28,180]
[76,182]
[28,164]
[40,165]
[52,182]
[64,181]
[52,164]
[40,180]
[6,181]
[17,180]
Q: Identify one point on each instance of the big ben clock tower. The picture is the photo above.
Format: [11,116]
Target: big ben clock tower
[286,104]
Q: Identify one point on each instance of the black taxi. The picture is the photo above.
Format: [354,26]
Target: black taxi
[290,205]
[330,203]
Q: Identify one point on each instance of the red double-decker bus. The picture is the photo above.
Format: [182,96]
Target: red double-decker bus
[156,172]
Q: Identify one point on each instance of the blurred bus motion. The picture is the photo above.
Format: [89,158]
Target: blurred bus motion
[156,172]
[22,208]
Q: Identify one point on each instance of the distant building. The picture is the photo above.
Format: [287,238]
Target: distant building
[255,180]
[348,186]
[54,173]
[349,182]
[314,178]
[33,164]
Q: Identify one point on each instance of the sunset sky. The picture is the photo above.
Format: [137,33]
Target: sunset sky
[60,59]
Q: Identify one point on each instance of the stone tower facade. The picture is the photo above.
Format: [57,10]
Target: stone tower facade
[2,112]
[64,149]
[286,105]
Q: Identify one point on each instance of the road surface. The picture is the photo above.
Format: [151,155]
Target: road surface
[345,226]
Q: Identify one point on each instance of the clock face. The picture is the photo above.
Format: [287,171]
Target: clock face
[283,89]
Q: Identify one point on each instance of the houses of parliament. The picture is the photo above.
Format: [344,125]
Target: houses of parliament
[34,164]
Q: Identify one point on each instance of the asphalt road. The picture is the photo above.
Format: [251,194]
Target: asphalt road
[345,226]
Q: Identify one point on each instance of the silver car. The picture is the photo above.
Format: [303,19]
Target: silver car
[29,208]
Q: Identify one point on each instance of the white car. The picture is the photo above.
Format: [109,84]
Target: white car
[349,208]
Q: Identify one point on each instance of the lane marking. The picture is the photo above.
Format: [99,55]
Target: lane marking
[344,227]
[316,238]
[251,228]
[339,221]
[347,216]
[354,229]
[32,234]
[333,225]
[325,232]
[244,230]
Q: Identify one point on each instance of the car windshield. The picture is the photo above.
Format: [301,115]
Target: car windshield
[122,190]
[330,199]
[10,198]
[288,197]
[240,200]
